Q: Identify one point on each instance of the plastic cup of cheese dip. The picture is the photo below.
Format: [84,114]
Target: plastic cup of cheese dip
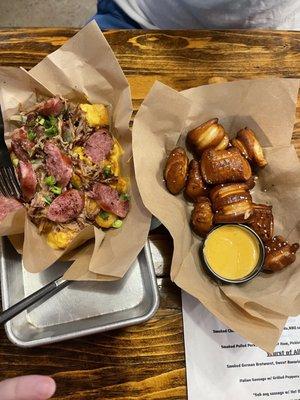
[232,253]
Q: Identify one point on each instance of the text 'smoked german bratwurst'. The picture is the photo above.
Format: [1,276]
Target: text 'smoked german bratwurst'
[68,165]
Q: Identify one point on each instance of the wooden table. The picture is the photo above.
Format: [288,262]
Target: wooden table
[144,362]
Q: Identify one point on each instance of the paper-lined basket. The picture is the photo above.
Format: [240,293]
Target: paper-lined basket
[84,68]
[257,310]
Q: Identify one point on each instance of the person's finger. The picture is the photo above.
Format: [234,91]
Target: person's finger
[31,387]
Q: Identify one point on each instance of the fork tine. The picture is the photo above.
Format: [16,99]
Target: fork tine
[8,180]
[8,183]
[14,181]
[3,186]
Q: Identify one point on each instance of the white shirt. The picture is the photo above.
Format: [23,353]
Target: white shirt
[213,14]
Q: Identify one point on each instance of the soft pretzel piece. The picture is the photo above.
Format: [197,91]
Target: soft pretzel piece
[175,172]
[222,166]
[195,186]
[262,221]
[202,216]
[223,144]
[232,203]
[250,147]
[250,182]
[207,135]
[240,146]
[279,254]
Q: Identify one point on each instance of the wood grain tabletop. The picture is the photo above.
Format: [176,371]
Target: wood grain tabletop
[146,361]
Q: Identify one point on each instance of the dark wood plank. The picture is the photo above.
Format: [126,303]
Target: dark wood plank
[181,59]
[146,361]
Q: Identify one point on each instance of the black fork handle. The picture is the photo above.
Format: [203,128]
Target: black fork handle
[42,294]
[5,158]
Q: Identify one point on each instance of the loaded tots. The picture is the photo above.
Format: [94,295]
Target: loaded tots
[68,165]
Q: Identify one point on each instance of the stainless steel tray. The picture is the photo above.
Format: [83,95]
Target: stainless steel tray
[82,308]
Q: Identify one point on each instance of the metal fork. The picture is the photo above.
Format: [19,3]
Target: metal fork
[41,295]
[9,185]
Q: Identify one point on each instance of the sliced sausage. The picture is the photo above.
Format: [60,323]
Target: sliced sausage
[66,206]
[8,205]
[20,144]
[27,179]
[58,164]
[53,106]
[99,145]
[109,200]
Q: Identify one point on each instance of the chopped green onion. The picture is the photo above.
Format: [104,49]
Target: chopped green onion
[52,131]
[51,126]
[107,171]
[104,215]
[53,120]
[124,196]
[15,162]
[50,180]
[31,135]
[47,200]
[117,224]
[41,121]
[56,189]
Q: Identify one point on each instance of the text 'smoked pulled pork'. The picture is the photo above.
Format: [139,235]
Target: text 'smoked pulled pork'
[68,165]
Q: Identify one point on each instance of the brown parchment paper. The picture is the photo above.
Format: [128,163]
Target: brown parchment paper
[13,223]
[83,69]
[257,310]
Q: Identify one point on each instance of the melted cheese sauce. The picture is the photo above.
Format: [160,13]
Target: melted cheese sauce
[231,251]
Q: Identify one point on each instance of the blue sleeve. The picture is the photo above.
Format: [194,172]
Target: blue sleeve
[111,16]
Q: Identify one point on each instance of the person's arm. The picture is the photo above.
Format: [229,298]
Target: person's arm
[31,387]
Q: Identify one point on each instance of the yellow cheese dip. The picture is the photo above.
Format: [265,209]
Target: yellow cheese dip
[231,251]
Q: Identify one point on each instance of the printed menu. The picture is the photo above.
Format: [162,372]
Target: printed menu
[222,365]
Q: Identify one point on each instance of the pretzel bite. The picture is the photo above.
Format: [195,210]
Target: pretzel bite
[239,145]
[195,187]
[202,216]
[223,144]
[250,182]
[279,254]
[210,134]
[222,166]
[175,172]
[247,143]
[262,221]
[232,203]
